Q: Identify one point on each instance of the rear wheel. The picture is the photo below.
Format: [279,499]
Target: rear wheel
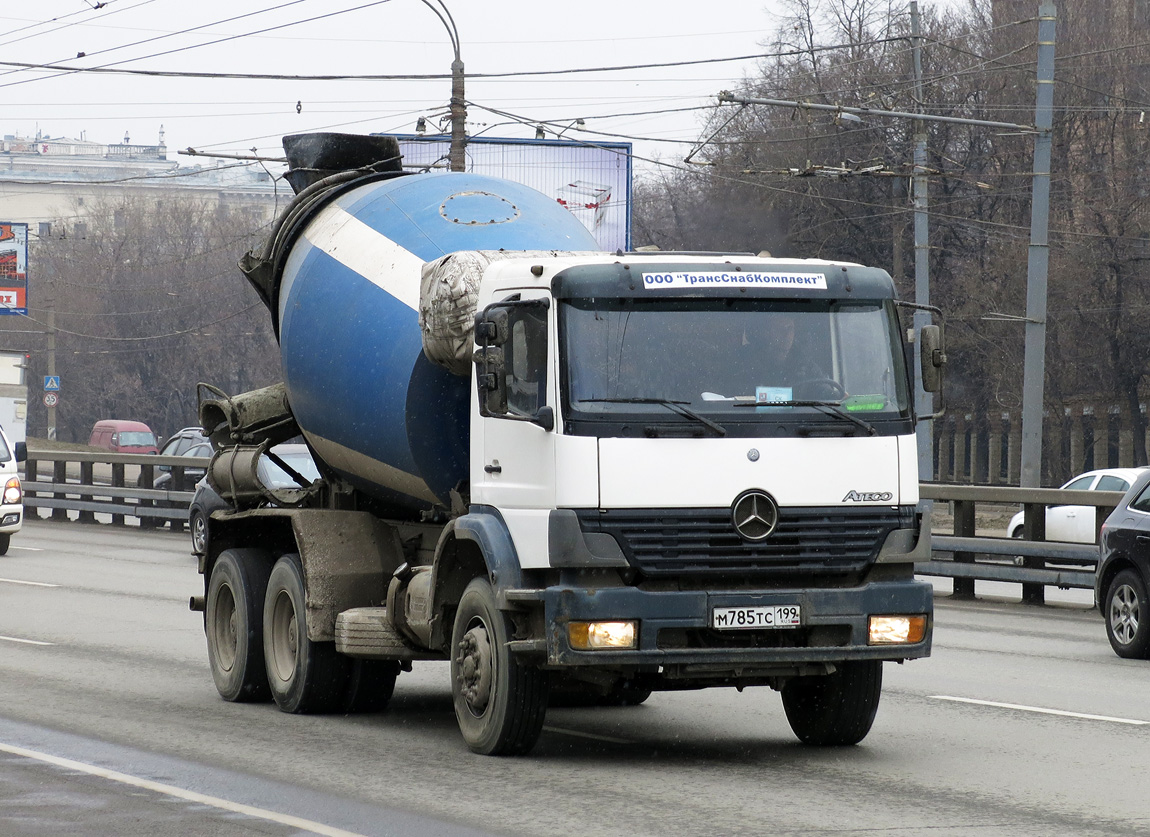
[834,710]
[1128,616]
[371,685]
[304,676]
[233,621]
[499,703]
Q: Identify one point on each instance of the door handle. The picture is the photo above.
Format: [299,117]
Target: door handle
[493,468]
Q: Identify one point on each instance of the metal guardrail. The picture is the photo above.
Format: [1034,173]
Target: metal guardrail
[1032,561]
[99,482]
[95,482]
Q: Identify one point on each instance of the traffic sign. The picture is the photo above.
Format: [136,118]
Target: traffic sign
[51,399]
[51,383]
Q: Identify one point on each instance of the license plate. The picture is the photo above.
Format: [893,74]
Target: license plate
[750,618]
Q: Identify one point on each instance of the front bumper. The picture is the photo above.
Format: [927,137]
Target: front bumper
[11,518]
[674,627]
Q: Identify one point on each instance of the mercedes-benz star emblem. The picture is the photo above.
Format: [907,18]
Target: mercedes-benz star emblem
[754,515]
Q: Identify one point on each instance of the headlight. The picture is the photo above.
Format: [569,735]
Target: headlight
[597,636]
[12,492]
[895,630]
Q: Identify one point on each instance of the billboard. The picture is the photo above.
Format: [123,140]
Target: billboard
[592,180]
[13,268]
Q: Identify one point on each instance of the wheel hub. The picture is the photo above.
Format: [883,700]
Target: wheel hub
[474,661]
[225,629]
[1124,614]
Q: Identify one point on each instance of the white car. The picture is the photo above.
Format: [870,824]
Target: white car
[1076,524]
[12,497]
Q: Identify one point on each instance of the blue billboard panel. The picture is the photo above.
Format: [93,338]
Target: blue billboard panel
[592,180]
[13,268]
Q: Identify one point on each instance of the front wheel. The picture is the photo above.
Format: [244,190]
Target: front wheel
[1128,616]
[5,540]
[834,710]
[499,703]
[304,676]
[233,621]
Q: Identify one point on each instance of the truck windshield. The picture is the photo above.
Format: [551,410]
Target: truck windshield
[718,357]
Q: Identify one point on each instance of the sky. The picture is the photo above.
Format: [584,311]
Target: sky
[659,109]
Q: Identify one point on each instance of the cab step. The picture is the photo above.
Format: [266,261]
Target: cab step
[364,632]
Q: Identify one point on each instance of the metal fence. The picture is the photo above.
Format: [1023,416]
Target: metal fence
[120,485]
[1034,562]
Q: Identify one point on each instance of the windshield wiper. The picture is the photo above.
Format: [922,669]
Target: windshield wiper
[830,407]
[673,406]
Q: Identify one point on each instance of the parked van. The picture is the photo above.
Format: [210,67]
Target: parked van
[12,496]
[121,436]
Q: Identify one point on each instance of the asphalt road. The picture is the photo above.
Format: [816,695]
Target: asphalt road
[1023,722]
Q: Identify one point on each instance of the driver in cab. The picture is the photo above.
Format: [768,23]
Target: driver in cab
[782,366]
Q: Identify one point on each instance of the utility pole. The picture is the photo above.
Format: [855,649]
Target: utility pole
[1038,257]
[924,405]
[51,323]
[456,158]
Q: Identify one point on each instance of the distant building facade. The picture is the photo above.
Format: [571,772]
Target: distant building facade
[49,180]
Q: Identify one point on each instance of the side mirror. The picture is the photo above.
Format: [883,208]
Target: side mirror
[932,355]
[545,418]
[491,327]
[491,379]
[21,451]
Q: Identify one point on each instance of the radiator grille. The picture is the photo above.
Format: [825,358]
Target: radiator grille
[702,541]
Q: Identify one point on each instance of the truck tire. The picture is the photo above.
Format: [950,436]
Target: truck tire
[233,622]
[628,694]
[304,676]
[371,685]
[500,704]
[1128,616]
[834,710]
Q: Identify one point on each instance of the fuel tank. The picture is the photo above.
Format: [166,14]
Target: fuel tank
[342,281]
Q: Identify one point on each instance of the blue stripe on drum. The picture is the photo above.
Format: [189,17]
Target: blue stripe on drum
[352,383]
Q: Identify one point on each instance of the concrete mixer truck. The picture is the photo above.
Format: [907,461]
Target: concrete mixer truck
[562,471]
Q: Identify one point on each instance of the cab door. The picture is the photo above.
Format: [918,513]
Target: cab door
[518,399]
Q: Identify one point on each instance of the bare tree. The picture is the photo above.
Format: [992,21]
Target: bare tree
[147,302]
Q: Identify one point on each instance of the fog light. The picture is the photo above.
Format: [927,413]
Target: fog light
[893,630]
[594,636]
[12,492]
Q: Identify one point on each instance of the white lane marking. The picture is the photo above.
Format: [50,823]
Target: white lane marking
[180,793]
[24,641]
[368,252]
[1042,711]
[28,548]
[29,583]
[593,736]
